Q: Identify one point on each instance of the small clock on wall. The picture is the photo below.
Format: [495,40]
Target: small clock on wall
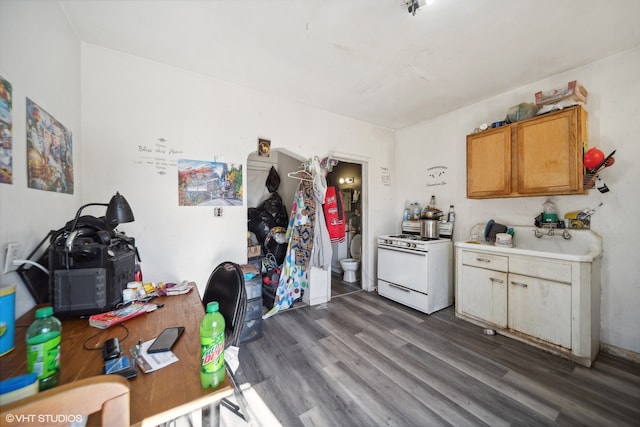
[264,147]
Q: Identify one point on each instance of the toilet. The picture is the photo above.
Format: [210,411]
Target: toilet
[350,265]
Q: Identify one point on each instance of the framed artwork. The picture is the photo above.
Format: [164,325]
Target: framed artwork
[207,183]
[6,133]
[264,147]
[49,152]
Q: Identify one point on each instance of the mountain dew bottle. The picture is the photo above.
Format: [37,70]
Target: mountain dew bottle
[212,347]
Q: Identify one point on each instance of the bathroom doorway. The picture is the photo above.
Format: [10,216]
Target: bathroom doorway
[347,177]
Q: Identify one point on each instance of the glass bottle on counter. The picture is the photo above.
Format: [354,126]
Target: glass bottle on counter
[549,212]
[416,211]
[451,216]
[407,214]
[432,203]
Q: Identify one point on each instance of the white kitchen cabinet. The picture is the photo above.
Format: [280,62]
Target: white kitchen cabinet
[546,301]
[540,308]
[485,287]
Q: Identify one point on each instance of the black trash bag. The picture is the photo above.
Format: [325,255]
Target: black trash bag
[252,214]
[279,250]
[260,223]
[276,244]
[273,204]
[273,180]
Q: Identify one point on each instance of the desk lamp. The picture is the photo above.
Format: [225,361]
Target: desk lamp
[118,212]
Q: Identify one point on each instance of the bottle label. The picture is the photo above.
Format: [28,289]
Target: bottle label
[44,359]
[212,354]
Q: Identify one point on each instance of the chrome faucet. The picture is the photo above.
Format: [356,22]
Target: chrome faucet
[537,233]
[566,235]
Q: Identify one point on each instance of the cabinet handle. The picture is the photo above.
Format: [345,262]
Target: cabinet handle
[493,279]
[483,260]
[399,287]
[524,285]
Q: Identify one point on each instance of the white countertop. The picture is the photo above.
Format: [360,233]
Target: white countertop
[583,246]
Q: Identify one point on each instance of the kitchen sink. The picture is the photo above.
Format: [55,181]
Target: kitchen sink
[582,245]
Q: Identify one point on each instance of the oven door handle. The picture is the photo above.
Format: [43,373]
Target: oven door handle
[399,288]
[408,251]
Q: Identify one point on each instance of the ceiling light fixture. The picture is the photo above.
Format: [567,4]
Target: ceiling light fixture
[413,5]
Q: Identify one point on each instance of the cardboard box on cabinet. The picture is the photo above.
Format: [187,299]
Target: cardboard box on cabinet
[571,92]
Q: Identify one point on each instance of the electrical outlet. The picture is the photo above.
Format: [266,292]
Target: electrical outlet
[217,211]
[10,254]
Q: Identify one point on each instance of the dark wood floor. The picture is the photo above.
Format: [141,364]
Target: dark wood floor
[340,287]
[362,360]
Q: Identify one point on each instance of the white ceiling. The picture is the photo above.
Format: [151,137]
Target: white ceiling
[366,59]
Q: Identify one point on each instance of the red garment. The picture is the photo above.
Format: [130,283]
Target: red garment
[334,214]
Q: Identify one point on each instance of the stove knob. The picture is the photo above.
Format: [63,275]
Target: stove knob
[413,245]
[408,244]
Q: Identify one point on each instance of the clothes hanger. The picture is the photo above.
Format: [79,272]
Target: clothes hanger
[302,175]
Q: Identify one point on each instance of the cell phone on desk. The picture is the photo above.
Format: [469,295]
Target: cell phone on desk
[166,339]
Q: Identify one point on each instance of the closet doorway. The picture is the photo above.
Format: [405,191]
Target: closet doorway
[351,188]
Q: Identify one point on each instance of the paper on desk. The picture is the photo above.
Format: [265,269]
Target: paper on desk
[154,361]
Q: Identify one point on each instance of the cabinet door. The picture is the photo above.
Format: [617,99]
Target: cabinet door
[549,154]
[540,308]
[484,295]
[489,163]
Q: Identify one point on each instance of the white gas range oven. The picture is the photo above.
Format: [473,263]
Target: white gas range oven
[416,272]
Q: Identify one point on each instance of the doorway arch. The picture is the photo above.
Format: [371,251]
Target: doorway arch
[287,161]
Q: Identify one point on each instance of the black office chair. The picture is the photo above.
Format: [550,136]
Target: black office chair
[226,285]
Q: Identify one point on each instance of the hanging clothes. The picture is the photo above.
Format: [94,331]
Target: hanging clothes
[294,277]
[334,213]
[307,234]
[322,252]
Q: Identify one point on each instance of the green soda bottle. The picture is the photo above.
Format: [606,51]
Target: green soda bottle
[43,348]
[212,370]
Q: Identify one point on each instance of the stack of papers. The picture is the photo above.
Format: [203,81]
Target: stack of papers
[179,288]
[154,361]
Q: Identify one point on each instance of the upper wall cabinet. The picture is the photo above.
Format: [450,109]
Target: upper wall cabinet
[537,157]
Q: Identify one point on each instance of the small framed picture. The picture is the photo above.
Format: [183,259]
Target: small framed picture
[264,147]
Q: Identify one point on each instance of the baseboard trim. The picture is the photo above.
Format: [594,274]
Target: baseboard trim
[629,355]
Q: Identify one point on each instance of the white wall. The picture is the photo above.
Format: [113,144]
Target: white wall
[614,90]
[130,102]
[40,57]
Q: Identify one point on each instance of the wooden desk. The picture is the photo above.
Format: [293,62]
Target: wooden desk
[163,390]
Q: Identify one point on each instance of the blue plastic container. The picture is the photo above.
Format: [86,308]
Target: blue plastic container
[16,388]
[7,318]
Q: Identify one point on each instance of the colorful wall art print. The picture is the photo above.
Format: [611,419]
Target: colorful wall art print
[49,152]
[6,132]
[203,183]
